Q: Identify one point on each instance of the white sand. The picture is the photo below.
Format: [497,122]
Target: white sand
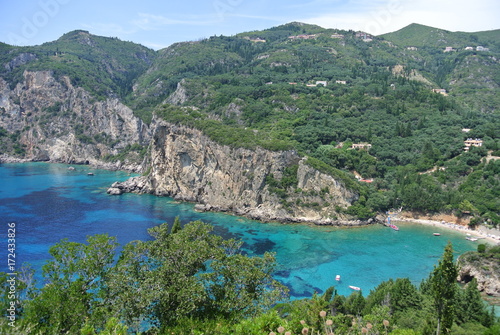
[491,236]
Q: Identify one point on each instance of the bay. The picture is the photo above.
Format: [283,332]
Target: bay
[49,202]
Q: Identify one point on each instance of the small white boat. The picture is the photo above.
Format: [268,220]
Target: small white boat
[436,234]
[337,277]
[473,239]
[354,288]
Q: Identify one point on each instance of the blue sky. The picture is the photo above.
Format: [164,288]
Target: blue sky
[158,24]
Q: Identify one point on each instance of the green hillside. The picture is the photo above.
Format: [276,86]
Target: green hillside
[418,35]
[376,92]
[104,66]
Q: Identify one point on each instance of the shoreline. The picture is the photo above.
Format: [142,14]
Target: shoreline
[490,238]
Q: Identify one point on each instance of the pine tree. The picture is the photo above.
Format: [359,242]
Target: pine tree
[176,226]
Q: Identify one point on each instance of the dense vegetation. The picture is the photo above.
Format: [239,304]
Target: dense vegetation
[244,92]
[317,93]
[187,280]
[106,67]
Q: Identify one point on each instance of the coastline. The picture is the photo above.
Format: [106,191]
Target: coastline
[492,237]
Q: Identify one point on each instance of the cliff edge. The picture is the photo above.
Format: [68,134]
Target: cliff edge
[260,184]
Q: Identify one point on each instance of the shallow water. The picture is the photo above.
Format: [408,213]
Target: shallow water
[48,202]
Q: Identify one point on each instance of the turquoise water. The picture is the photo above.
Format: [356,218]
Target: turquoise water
[48,202]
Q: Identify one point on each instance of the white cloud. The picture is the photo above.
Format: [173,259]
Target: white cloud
[153,22]
[389,15]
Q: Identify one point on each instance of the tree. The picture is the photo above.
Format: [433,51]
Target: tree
[74,283]
[471,306]
[443,290]
[404,295]
[190,272]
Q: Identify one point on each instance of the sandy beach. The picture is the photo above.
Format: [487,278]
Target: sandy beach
[483,234]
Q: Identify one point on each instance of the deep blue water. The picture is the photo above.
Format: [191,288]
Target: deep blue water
[48,202]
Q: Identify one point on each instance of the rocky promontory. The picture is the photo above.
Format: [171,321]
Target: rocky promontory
[187,165]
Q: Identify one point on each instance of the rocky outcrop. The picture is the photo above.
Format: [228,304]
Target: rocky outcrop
[56,121]
[486,270]
[187,165]
[131,185]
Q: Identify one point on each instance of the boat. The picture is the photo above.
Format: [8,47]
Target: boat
[436,234]
[473,239]
[90,174]
[391,225]
[354,288]
[337,277]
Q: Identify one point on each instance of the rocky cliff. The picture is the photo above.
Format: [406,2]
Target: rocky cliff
[485,267]
[50,119]
[187,165]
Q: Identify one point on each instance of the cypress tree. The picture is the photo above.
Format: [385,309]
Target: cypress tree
[443,290]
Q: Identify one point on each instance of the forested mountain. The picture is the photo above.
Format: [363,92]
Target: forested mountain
[321,90]
[407,100]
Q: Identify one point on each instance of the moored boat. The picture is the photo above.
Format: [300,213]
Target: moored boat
[354,288]
[337,277]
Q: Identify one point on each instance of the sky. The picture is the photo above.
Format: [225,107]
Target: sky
[158,24]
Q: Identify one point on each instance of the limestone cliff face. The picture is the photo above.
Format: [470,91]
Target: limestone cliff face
[59,122]
[187,165]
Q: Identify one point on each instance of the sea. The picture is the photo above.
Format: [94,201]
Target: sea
[51,202]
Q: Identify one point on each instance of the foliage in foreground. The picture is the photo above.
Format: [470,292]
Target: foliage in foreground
[153,285]
[190,281]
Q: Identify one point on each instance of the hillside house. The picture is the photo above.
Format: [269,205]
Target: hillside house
[472,142]
[440,91]
[337,36]
[321,82]
[469,48]
[364,36]
[412,48]
[466,130]
[343,82]
[361,146]
[448,49]
[480,48]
